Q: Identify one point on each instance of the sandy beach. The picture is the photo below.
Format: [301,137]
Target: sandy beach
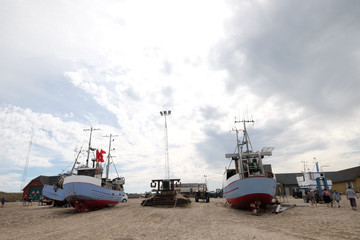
[214,220]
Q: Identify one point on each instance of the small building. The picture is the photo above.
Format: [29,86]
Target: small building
[340,180]
[345,178]
[35,186]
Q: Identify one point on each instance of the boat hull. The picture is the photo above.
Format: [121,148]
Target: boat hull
[53,193]
[243,192]
[86,193]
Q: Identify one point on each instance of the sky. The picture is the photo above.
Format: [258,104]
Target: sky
[65,66]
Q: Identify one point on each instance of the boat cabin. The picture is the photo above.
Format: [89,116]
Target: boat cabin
[250,165]
[91,172]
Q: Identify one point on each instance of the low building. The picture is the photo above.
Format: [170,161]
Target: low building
[343,179]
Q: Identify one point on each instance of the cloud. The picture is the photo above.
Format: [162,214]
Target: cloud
[115,66]
[308,58]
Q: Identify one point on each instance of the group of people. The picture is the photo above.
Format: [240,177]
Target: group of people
[27,200]
[334,195]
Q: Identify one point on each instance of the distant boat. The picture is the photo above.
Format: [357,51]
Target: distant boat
[314,180]
[53,192]
[248,185]
[87,190]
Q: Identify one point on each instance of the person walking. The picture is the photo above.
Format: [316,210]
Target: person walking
[40,200]
[30,200]
[350,195]
[312,196]
[326,197]
[337,197]
[3,200]
[24,200]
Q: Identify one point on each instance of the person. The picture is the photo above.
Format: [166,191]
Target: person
[326,197]
[350,195]
[3,200]
[24,200]
[40,200]
[29,200]
[312,196]
[317,196]
[337,197]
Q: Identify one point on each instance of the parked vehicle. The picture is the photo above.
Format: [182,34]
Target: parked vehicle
[297,193]
[202,193]
[125,198]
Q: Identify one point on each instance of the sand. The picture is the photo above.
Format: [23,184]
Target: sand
[214,220]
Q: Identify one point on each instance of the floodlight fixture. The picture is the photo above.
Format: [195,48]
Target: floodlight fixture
[165,113]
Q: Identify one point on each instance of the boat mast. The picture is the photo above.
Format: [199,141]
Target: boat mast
[246,141]
[109,156]
[89,148]
[246,138]
[239,152]
[72,170]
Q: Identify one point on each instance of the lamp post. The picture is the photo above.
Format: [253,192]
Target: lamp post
[167,171]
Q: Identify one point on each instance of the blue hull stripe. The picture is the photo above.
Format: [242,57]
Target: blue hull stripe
[88,191]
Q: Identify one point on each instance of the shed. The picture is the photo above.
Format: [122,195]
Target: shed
[35,186]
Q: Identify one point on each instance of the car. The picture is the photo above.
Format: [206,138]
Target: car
[125,197]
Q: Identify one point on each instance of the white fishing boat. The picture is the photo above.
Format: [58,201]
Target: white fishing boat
[87,189]
[248,185]
[314,180]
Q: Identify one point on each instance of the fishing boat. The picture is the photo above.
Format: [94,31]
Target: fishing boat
[314,180]
[248,185]
[87,189]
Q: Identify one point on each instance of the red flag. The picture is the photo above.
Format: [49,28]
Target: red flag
[99,155]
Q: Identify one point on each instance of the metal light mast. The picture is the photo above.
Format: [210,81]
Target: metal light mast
[167,169]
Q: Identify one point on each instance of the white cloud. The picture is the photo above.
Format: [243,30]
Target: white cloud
[204,60]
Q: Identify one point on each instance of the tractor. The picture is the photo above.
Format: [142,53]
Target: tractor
[202,193]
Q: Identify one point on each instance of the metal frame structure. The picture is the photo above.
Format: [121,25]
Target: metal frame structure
[167,167]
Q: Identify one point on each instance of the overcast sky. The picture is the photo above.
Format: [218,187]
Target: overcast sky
[292,66]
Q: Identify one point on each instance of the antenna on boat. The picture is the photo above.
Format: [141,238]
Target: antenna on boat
[304,163]
[88,155]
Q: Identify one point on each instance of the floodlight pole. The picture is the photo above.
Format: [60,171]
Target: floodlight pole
[167,168]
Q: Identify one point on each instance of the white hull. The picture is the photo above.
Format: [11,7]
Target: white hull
[243,192]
